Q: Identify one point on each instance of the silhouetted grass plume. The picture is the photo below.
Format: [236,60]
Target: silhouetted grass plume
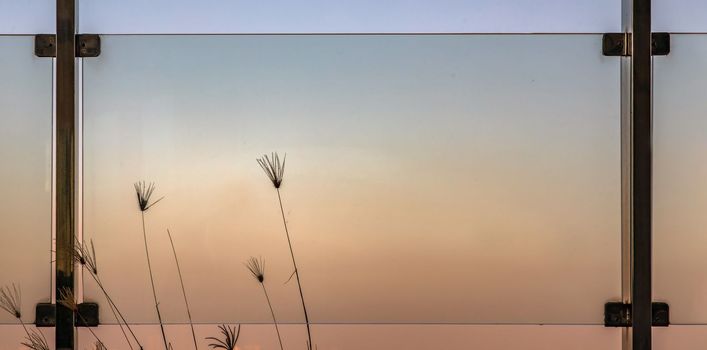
[144,194]
[275,170]
[66,298]
[230,337]
[257,269]
[87,258]
[11,302]
[35,340]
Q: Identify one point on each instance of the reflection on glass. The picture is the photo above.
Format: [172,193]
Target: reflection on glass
[25,175]
[434,179]
[680,173]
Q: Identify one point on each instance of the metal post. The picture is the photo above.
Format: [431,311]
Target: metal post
[65,164]
[637,172]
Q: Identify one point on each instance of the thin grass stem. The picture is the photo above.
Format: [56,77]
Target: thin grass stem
[274,320]
[152,282]
[88,259]
[184,293]
[91,330]
[294,263]
[120,324]
[256,266]
[36,340]
[24,326]
[110,302]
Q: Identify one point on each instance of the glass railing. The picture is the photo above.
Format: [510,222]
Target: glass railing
[25,185]
[679,185]
[439,190]
[434,184]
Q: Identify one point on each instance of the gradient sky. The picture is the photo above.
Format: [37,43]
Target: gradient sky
[429,178]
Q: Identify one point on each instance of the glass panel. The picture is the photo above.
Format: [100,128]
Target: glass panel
[27,16]
[349,16]
[384,337]
[680,337]
[11,337]
[435,179]
[679,179]
[679,15]
[25,176]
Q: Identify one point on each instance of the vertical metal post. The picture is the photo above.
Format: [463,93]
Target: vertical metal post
[637,172]
[626,173]
[65,164]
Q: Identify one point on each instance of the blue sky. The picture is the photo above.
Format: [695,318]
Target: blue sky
[229,16]
[240,16]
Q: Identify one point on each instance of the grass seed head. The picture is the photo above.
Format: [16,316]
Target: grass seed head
[35,341]
[256,266]
[144,193]
[66,298]
[11,300]
[273,168]
[86,256]
[230,337]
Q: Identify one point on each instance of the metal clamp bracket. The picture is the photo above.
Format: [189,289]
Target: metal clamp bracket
[45,315]
[87,45]
[617,314]
[619,44]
